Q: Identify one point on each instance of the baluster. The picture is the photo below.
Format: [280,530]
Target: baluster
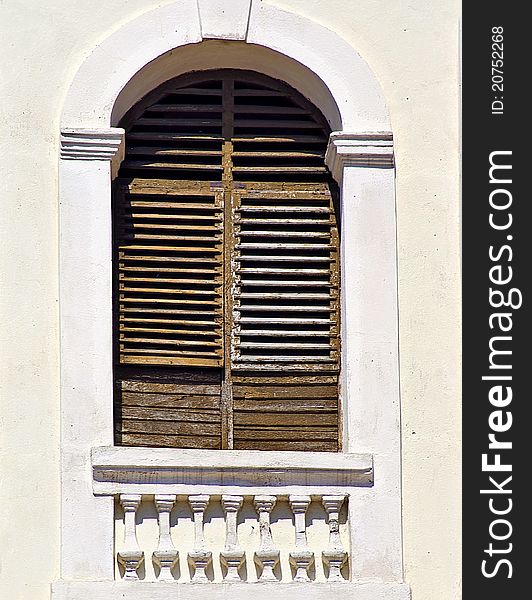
[267,556]
[302,558]
[166,555]
[200,557]
[131,556]
[335,555]
[232,556]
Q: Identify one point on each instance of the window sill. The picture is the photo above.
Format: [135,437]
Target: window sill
[122,470]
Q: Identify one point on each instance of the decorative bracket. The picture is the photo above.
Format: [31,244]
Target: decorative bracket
[373,150]
[93,144]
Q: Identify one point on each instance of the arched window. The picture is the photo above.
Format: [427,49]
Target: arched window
[226,269]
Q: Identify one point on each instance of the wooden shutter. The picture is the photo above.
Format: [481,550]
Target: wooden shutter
[170,274]
[227,269]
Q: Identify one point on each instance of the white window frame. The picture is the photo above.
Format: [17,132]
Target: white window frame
[360,157]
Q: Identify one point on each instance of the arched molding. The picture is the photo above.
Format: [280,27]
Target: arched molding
[119,57]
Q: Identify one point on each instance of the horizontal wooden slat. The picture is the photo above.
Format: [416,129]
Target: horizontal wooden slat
[179,292]
[186,260]
[284,296]
[312,393]
[281,153]
[189,403]
[274,433]
[241,109]
[284,222]
[279,169]
[259,362]
[169,388]
[192,323]
[158,108]
[285,246]
[170,414]
[183,301]
[288,445]
[277,271]
[256,92]
[138,222]
[284,209]
[153,426]
[169,441]
[292,379]
[169,311]
[179,332]
[190,122]
[164,151]
[281,138]
[203,249]
[285,419]
[198,91]
[172,217]
[281,309]
[149,164]
[281,333]
[173,137]
[275,124]
[175,360]
[287,321]
[163,341]
[176,281]
[296,282]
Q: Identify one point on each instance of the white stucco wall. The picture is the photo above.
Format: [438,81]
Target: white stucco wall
[412,49]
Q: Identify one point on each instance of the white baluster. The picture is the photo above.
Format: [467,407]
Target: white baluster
[131,556]
[302,558]
[166,555]
[199,557]
[232,556]
[267,556]
[335,555]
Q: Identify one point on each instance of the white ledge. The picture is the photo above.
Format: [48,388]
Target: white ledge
[139,590]
[359,150]
[121,470]
[92,144]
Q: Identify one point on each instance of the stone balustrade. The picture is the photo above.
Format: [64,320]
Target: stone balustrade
[270,553]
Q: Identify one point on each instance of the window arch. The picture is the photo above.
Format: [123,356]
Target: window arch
[226,269]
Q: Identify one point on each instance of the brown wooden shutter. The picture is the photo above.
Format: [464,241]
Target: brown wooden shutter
[227,269]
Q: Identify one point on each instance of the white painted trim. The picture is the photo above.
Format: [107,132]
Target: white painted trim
[120,470]
[118,58]
[358,150]
[138,590]
[93,144]
[351,100]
